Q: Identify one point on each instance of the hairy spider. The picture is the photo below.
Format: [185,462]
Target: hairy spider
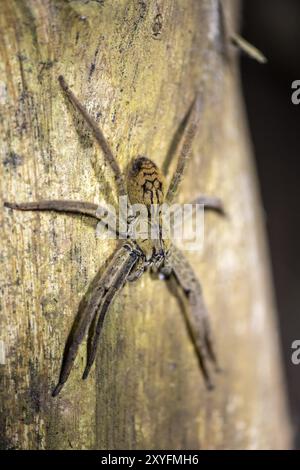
[145,184]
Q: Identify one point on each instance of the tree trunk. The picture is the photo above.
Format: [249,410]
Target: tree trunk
[136,65]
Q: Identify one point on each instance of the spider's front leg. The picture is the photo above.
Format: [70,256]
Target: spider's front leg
[178,269]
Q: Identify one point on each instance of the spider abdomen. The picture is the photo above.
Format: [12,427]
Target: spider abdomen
[145,183]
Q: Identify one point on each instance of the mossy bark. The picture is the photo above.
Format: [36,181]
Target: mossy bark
[136,65]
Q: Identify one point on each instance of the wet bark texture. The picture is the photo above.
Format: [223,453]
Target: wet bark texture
[136,65]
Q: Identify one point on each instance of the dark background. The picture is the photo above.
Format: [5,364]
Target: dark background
[274,27]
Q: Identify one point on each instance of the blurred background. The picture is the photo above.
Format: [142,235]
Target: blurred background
[274,27]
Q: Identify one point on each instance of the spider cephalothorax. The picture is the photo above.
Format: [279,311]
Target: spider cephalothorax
[146,186]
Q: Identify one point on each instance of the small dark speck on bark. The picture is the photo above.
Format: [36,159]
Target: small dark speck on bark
[43,67]
[13,160]
[21,57]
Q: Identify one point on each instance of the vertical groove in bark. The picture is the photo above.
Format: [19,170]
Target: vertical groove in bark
[136,65]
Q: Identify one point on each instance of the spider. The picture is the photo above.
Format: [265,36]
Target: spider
[145,183]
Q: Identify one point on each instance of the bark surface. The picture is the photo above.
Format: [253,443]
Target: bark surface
[136,65]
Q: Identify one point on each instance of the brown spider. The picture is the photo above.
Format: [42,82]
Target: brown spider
[145,185]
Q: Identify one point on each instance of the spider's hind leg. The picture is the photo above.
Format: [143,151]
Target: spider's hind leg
[98,134]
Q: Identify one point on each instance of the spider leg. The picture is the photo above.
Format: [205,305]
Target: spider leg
[210,203]
[191,125]
[97,134]
[122,260]
[116,286]
[196,314]
[73,207]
